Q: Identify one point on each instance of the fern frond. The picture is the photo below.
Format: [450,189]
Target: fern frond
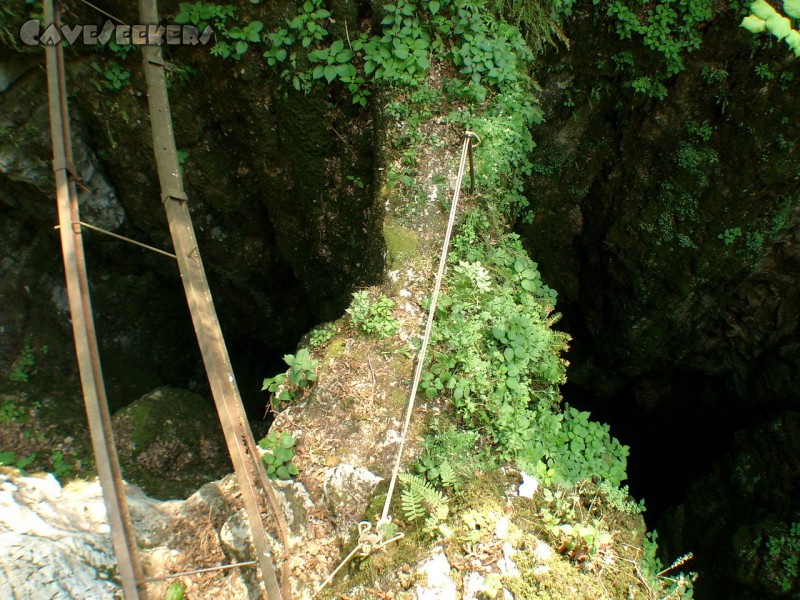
[419,498]
[448,475]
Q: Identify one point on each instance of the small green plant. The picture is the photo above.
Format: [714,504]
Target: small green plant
[373,318]
[712,74]
[583,538]
[277,456]
[420,499]
[334,62]
[448,457]
[356,181]
[619,499]
[322,334]
[239,42]
[201,14]
[175,591]
[114,76]
[783,550]
[60,468]
[10,459]
[730,235]
[11,411]
[763,72]
[25,365]
[647,86]
[285,386]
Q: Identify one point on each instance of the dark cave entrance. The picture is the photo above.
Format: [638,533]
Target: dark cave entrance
[676,422]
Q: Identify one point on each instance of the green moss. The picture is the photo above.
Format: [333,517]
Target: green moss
[401,245]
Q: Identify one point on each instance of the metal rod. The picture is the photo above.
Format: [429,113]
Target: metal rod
[88,355]
[195,571]
[251,475]
[120,237]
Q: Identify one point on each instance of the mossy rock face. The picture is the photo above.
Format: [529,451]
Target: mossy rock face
[633,198]
[401,245]
[170,443]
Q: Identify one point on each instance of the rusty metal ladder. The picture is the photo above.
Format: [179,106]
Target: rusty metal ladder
[257,493]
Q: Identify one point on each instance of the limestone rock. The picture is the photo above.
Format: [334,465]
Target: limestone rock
[438,585]
[347,490]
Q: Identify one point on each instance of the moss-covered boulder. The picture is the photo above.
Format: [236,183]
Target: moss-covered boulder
[170,443]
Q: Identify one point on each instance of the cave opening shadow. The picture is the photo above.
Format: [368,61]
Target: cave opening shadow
[675,425]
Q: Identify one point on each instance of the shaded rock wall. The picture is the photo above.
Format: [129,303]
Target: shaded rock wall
[284,236]
[670,229]
[632,194]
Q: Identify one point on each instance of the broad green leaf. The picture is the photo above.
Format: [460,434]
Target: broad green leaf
[779,26]
[344,71]
[283,455]
[763,10]
[282,472]
[286,441]
[792,8]
[330,73]
[344,56]
[337,46]
[434,7]
[793,39]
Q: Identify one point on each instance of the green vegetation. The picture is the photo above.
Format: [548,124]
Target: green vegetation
[235,40]
[9,459]
[763,17]
[373,318]
[783,550]
[114,77]
[175,591]
[420,499]
[321,335]
[277,456]
[285,387]
[670,27]
[24,367]
[730,235]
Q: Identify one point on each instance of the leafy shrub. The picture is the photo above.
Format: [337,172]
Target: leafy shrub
[322,334]
[279,451]
[373,318]
[783,550]
[448,457]
[285,386]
